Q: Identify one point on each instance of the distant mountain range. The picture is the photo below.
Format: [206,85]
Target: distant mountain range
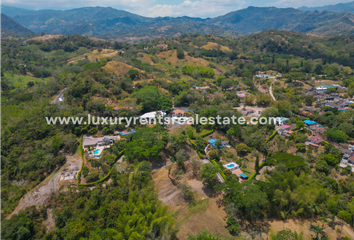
[340,7]
[106,22]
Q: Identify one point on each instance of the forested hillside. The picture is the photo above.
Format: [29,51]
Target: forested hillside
[9,26]
[111,23]
[170,181]
[340,7]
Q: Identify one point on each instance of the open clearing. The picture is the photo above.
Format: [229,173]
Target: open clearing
[215,46]
[42,192]
[119,68]
[19,81]
[46,37]
[205,214]
[328,82]
[92,56]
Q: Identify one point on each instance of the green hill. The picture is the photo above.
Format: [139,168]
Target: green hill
[9,27]
[112,23]
[257,19]
[340,7]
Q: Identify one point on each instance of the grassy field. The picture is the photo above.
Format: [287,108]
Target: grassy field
[215,46]
[92,56]
[22,81]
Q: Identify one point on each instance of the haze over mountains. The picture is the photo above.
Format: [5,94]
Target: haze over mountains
[340,7]
[106,22]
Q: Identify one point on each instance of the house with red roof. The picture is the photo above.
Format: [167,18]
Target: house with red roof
[202,88]
[177,113]
[314,140]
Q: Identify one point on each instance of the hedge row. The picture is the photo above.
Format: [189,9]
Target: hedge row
[201,156]
[105,177]
[206,134]
[271,136]
[220,171]
[82,164]
[255,172]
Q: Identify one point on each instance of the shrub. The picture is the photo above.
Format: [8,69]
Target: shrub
[85,171]
[346,216]
[207,133]
[271,136]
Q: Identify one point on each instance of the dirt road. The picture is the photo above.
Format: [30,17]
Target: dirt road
[41,193]
[271,93]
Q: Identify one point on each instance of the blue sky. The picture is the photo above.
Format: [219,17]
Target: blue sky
[155,8]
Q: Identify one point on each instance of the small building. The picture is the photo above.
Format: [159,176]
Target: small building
[282,120]
[321,89]
[328,86]
[162,46]
[315,140]
[241,176]
[286,127]
[351,159]
[151,116]
[202,88]
[287,133]
[100,141]
[241,95]
[309,122]
[146,48]
[177,113]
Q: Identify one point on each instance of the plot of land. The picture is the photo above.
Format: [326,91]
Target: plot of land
[215,46]
[46,37]
[328,82]
[205,214]
[19,81]
[41,193]
[92,56]
[119,68]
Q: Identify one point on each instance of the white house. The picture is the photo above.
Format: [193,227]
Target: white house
[152,115]
[321,89]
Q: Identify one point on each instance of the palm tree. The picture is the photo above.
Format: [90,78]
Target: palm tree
[324,219]
[314,208]
[318,231]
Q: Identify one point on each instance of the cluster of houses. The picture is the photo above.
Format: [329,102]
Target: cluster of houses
[323,99]
[315,139]
[262,75]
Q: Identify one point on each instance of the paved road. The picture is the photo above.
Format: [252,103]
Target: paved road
[262,170]
[61,95]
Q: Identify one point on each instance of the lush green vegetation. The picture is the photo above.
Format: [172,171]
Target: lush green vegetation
[304,181]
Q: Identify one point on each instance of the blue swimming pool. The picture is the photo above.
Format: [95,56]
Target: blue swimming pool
[230,165]
[96,151]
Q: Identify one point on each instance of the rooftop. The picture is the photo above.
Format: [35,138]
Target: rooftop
[309,122]
[315,139]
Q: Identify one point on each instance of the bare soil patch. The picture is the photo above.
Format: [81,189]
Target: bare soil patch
[43,191]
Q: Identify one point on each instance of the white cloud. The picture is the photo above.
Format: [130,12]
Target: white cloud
[202,8]
[199,8]
[130,5]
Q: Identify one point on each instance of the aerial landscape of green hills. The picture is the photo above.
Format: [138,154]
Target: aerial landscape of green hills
[235,126]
